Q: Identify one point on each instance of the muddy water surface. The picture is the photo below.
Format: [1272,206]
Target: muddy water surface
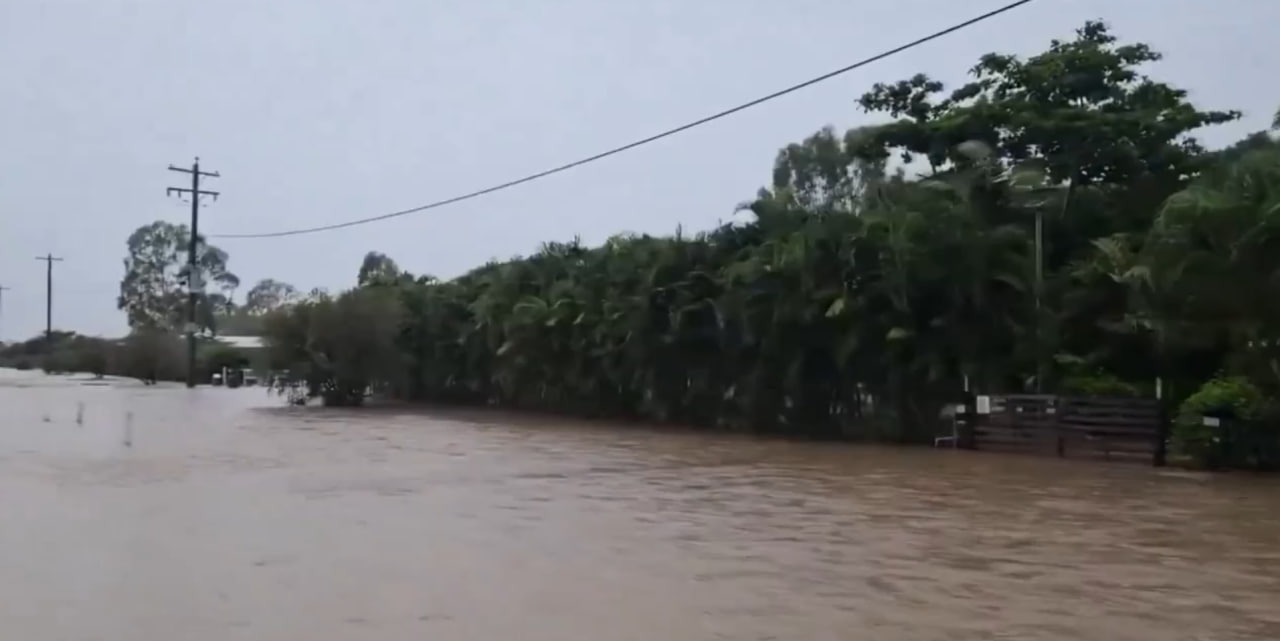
[232,518]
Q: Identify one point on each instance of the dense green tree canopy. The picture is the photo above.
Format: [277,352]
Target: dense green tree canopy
[267,295]
[884,270]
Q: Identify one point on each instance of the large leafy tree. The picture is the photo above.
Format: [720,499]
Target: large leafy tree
[378,268]
[246,319]
[1076,139]
[1082,108]
[267,295]
[153,290]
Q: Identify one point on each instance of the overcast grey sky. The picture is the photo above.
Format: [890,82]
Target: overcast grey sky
[317,111]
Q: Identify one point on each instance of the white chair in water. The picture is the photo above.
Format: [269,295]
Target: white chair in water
[950,412]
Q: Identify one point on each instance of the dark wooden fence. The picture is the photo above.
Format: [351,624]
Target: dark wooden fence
[1072,426]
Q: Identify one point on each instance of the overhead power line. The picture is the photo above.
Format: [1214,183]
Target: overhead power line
[643,141]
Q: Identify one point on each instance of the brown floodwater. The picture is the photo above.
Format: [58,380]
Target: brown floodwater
[230,517]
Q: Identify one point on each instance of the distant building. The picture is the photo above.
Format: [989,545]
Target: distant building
[253,348]
[242,342]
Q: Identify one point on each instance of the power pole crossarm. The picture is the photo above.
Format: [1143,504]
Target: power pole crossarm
[195,282]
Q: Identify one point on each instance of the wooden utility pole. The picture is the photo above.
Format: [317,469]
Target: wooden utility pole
[49,260]
[195,280]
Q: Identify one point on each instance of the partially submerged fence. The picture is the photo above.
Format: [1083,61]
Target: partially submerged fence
[1132,429]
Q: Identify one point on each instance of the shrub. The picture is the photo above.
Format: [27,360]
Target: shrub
[147,355]
[339,347]
[1231,398]
[92,358]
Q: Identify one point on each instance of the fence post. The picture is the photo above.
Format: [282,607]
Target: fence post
[128,429]
[1058,407]
[1159,455]
[967,422]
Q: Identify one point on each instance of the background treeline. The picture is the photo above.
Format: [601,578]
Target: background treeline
[153,295]
[150,356]
[882,270]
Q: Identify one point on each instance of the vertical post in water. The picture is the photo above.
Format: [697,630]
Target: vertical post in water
[128,429]
[80,413]
[195,281]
